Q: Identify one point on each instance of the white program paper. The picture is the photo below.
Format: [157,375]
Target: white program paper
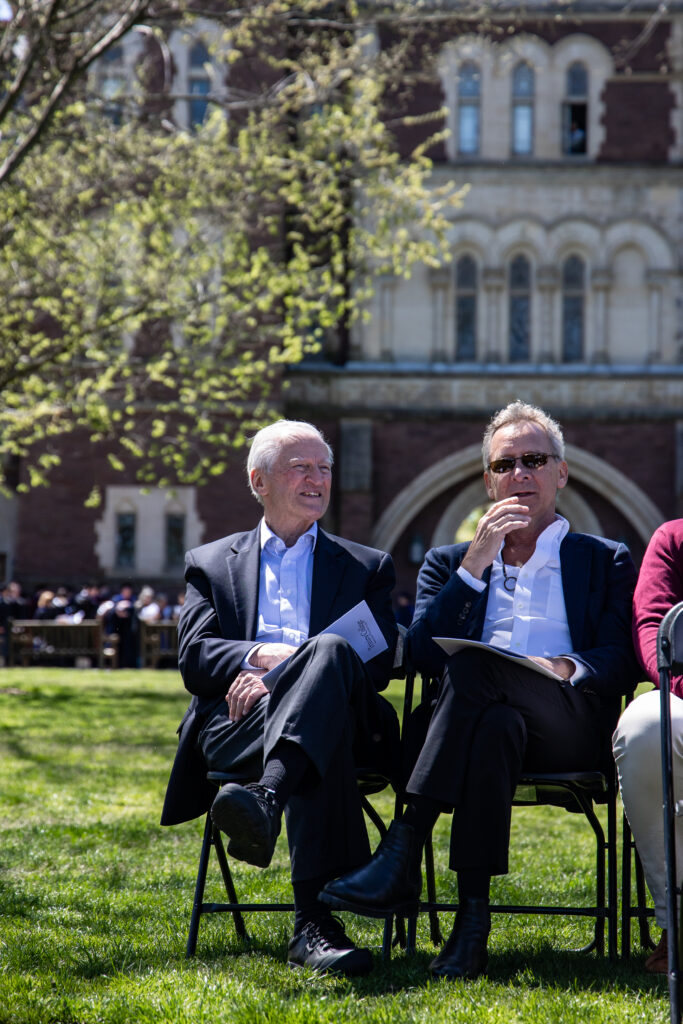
[358,626]
[451,645]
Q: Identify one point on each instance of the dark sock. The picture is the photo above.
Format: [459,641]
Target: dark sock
[306,905]
[421,814]
[474,884]
[284,770]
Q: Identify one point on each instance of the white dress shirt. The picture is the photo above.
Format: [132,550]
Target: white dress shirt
[532,619]
[284,593]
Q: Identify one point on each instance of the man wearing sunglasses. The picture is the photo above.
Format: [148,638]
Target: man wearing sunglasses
[526,585]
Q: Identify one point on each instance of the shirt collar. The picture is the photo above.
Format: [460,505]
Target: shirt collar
[268,535]
[548,543]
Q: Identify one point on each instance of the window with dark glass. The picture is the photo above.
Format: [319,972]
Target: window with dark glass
[125,540]
[465,309]
[573,306]
[199,84]
[523,89]
[520,310]
[575,111]
[469,115]
[175,541]
[112,83]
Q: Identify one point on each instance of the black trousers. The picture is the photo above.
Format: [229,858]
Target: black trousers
[326,702]
[492,720]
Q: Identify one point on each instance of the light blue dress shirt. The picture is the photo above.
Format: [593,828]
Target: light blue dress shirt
[284,593]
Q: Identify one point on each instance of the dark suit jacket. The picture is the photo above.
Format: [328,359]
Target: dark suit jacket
[598,578]
[218,624]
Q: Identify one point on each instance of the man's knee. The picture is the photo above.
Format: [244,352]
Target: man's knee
[637,735]
[501,729]
[333,656]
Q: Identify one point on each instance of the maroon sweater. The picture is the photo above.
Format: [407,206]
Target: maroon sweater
[659,587]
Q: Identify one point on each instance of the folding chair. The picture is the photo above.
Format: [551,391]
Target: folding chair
[631,859]
[369,783]
[213,839]
[670,659]
[578,791]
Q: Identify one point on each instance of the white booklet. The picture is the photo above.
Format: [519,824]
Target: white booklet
[451,645]
[358,626]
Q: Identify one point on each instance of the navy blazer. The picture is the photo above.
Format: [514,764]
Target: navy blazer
[598,578]
[218,625]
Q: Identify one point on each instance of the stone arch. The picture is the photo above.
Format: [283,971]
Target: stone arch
[525,235]
[657,250]
[570,504]
[638,509]
[571,234]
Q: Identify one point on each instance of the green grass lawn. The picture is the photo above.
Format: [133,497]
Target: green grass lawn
[95,897]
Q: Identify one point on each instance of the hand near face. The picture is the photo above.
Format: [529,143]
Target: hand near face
[502,518]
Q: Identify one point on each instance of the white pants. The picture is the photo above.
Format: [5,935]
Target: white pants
[637,751]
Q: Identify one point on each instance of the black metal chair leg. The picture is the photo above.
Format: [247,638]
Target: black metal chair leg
[199,890]
[434,927]
[388,936]
[612,889]
[627,850]
[240,926]
[411,937]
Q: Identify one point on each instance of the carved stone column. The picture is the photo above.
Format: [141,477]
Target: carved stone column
[440,281]
[387,297]
[355,479]
[493,281]
[547,280]
[601,282]
[655,280]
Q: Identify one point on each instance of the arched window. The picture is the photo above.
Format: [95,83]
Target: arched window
[520,310]
[465,309]
[469,95]
[523,88]
[575,111]
[199,84]
[573,309]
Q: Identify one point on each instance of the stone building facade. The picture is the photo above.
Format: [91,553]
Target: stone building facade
[564,288]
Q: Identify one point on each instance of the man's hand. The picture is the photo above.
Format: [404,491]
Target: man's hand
[560,666]
[267,656]
[502,518]
[244,691]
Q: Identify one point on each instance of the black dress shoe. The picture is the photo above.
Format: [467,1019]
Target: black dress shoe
[251,818]
[464,954]
[390,883]
[324,946]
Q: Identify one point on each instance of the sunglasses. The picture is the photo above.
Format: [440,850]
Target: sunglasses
[530,460]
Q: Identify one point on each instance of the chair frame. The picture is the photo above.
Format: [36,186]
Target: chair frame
[213,840]
[583,790]
[394,927]
[670,659]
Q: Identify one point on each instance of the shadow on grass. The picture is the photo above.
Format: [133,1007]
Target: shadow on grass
[544,969]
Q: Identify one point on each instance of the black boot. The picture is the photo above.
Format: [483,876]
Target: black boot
[390,882]
[464,954]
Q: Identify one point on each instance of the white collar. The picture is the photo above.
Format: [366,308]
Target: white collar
[267,534]
[547,550]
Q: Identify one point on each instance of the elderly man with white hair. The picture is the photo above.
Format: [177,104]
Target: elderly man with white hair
[253,601]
